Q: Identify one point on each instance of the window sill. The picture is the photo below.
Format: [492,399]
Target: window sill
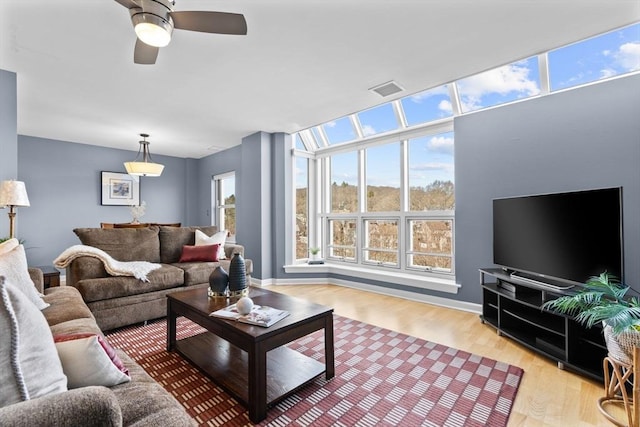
[406,279]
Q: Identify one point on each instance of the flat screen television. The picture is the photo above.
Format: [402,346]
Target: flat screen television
[560,239]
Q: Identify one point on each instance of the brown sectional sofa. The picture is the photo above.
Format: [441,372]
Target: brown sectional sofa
[139,402]
[117,301]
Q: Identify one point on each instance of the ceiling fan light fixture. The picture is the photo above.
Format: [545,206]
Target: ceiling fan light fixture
[152,29]
[146,167]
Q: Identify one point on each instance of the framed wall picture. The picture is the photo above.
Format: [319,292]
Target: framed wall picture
[119,189]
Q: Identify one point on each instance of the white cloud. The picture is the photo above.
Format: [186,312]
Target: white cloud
[445,105]
[440,144]
[419,97]
[503,80]
[339,178]
[368,130]
[628,56]
[331,124]
[607,72]
[430,167]
[623,60]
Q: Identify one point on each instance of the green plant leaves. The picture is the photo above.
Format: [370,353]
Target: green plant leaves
[601,300]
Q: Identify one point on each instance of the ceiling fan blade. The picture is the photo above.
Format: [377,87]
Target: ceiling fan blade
[210,22]
[145,54]
[127,3]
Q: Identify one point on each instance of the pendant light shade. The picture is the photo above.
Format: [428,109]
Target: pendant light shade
[146,167]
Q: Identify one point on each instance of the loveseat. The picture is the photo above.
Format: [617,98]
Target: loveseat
[117,301]
[139,401]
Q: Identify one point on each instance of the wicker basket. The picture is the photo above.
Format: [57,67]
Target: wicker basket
[621,346]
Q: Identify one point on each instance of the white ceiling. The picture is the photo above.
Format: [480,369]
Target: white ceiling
[302,63]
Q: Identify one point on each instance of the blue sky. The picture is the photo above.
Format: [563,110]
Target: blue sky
[608,55]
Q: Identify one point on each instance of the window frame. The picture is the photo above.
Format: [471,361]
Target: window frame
[321,159]
[219,206]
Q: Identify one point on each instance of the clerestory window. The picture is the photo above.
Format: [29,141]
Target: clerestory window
[377,186]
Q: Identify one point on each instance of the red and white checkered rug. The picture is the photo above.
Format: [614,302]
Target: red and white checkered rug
[383,378]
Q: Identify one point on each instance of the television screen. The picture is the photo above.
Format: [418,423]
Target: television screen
[561,238]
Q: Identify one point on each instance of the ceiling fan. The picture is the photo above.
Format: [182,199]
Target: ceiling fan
[154,21]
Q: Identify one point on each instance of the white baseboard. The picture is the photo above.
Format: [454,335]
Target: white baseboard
[412,296]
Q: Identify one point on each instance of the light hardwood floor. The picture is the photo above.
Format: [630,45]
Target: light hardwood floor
[548,396]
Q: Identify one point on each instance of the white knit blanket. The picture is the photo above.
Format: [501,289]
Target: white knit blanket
[137,269]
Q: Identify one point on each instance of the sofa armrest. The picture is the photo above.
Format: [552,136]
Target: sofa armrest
[232,248]
[66,409]
[38,278]
[84,267]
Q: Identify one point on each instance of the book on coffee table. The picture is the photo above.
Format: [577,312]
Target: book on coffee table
[260,315]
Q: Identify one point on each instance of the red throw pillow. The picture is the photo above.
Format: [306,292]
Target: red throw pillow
[207,253]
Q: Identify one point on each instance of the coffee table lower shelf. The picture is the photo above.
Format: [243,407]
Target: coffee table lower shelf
[228,366]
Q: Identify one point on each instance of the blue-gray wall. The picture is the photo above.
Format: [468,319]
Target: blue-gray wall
[63,183]
[254,202]
[8,136]
[260,163]
[282,190]
[207,167]
[574,140]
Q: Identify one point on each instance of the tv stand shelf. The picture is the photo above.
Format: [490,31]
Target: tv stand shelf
[514,310]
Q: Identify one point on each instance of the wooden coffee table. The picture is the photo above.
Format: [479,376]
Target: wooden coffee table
[251,362]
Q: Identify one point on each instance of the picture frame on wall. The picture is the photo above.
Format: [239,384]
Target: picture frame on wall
[119,189]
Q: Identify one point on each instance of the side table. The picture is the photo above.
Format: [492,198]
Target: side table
[51,276]
[622,390]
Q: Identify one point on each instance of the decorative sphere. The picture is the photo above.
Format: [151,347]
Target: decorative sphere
[244,305]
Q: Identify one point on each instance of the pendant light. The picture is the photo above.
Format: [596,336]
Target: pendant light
[146,167]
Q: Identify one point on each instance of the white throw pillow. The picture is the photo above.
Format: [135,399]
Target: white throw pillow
[88,359]
[217,239]
[13,266]
[29,363]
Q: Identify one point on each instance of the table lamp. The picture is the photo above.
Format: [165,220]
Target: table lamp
[13,194]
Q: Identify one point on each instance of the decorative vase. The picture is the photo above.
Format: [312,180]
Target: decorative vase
[244,305]
[218,282]
[237,276]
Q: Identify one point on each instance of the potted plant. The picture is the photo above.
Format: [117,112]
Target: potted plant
[314,253]
[603,299]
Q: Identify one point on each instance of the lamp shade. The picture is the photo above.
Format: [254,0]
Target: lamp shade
[146,167]
[143,168]
[13,193]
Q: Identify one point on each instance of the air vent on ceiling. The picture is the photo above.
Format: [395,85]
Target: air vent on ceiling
[386,89]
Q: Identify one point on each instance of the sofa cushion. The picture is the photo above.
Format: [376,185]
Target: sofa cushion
[166,277]
[124,244]
[29,363]
[88,359]
[218,238]
[203,253]
[65,303]
[199,272]
[87,406]
[13,266]
[75,326]
[172,239]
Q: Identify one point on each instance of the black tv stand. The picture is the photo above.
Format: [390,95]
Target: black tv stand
[533,280]
[514,308]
